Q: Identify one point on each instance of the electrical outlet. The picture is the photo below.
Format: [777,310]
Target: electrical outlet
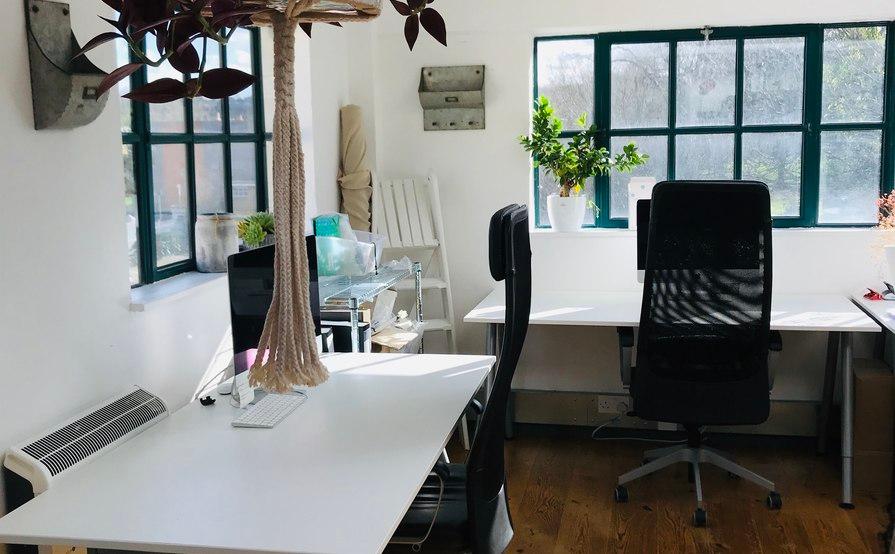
[612,404]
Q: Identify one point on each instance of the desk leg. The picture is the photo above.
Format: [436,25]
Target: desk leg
[847,419]
[826,401]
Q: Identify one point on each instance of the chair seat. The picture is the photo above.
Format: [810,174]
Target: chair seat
[451,530]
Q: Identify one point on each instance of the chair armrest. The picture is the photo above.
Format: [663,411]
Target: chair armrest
[625,353]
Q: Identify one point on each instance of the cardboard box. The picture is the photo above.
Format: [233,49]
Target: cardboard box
[873,472]
[874,429]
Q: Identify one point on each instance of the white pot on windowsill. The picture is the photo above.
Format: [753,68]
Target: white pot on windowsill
[566,213]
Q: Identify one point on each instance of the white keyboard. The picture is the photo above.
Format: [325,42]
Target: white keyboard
[270,410]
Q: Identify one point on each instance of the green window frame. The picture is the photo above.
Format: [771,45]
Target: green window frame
[811,128]
[140,142]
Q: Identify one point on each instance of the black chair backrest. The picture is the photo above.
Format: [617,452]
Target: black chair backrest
[705,317]
[510,260]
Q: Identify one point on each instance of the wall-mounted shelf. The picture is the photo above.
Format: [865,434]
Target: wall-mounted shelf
[453,97]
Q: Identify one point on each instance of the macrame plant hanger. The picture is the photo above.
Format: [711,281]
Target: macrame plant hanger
[287,352]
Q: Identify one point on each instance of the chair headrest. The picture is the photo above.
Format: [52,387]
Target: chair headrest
[497,256]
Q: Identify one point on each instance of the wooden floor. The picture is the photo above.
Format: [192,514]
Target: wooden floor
[561,500]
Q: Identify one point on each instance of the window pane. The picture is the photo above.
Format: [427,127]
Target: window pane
[242,105]
[211,195]
[774,71]
[566,77]
[170,116]
[122,54]
[131,215]
[853,71]
[207,116]
[656,167]
[245,194]
[706,82]
[639,85]
[704,157]
[547,185]
[171,203]
[849,176]
[776,159]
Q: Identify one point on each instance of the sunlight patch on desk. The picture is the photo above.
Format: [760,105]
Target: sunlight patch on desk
[219,368]
[556,312]
[820,319]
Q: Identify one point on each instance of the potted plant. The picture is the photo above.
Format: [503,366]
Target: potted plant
[256,230]
[886,215]
[571,164]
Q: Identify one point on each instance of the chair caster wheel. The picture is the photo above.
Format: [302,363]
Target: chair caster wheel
[621,494]
[700,518]
[774,501]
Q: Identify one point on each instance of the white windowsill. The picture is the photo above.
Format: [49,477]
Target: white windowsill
[608,232]
[148,296]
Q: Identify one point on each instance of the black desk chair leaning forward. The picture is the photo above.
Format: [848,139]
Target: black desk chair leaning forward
[702,354]
[463,507]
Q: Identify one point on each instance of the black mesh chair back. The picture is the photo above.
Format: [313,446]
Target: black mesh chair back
[705,318]
[510,261]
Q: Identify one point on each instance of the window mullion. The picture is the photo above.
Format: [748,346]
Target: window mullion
[260,142]
[738,110]
[672,108]
[191,177]
[813,85]
[888,169]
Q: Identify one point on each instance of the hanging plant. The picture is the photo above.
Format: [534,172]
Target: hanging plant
[178,33]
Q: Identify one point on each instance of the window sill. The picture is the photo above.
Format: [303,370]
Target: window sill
[149,296]
[608,232]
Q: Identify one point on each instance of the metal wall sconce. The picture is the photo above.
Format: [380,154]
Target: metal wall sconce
[453,98]
[63,91]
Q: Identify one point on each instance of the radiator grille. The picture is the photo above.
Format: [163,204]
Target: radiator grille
[87,435]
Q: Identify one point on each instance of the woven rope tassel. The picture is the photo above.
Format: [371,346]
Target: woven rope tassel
[287,351]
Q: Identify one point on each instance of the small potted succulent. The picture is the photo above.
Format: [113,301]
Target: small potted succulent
[886,215]
[256,230]
[571,164]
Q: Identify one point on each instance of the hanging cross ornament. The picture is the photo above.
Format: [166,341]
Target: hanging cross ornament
[287,351]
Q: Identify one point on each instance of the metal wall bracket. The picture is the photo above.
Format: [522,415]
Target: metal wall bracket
[453,97]
[63,91]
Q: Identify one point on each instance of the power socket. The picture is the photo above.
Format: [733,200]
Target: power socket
[613,404]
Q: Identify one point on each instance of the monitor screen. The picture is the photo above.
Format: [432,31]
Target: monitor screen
[250,276]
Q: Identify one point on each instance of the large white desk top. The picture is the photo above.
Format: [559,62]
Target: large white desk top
[877,309]
[336,475]
[789,312]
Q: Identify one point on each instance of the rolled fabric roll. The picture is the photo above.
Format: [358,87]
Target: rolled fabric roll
[355,180]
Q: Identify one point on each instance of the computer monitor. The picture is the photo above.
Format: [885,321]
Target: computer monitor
[250,276]
[643,207]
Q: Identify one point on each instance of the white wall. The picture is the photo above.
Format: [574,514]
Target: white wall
[68,337]
[480,171]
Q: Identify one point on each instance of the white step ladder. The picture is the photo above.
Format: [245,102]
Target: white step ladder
[407,212]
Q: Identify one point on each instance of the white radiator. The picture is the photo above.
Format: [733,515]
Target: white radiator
[49,456]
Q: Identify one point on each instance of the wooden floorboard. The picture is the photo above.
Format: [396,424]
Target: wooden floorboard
[560,488]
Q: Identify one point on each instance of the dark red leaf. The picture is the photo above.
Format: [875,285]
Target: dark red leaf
[240,13]
[155,24]
[114,4]
[402,8]
[161,40]
[221,6]
[159,91]
[306,27]
[412,29]
[433,23]
[224,82]
[96,41]
[117,75]
[143,12]
[416,5]
[187,60]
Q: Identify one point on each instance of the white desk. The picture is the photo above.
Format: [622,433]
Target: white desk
[789,312]
[337,475]
[877,310]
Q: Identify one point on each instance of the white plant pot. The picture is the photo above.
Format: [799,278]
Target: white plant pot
[216,239]
[566,213]
[890,260]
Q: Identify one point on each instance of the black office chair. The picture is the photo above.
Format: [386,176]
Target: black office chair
[463,507]
[702,354]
